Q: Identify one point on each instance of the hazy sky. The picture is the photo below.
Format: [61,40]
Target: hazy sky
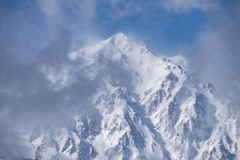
[38,33]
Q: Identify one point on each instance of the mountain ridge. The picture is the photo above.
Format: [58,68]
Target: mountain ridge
[149,107]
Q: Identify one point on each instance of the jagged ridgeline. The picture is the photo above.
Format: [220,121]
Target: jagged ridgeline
[148,107]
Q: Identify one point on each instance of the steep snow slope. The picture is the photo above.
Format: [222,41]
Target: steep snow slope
[148,108]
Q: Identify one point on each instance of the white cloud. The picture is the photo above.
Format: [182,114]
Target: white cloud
[59,78]
[66,15]
[187,5]
[120,9]
[50,8]
[217,55]
[52,12]
[83,9]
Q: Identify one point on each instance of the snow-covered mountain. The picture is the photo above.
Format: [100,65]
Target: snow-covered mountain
[148,107]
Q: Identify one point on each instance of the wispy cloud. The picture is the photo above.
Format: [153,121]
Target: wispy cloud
[118,9]
[74,16]
[180,6]
[216,56]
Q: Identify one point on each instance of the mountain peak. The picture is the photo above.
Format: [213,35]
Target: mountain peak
[145,107]
[119,39]
[119,35]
